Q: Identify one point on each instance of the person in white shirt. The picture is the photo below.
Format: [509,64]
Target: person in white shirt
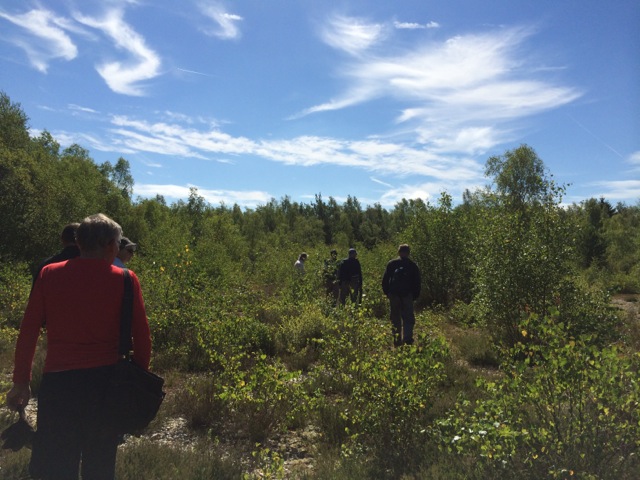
[299,265]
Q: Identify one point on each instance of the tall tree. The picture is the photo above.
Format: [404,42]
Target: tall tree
[14,131]
[518,175]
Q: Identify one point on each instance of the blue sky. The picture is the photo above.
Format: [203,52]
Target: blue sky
[250,100]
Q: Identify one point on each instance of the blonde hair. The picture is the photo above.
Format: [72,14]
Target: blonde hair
[96,231]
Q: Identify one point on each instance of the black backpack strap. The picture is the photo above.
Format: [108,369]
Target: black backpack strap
[126,314]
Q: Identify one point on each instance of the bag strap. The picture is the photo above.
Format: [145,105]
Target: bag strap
[124,346]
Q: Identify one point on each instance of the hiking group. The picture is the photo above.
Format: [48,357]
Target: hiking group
[401,283]
[77,296]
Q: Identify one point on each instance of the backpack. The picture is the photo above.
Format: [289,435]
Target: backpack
[400,282]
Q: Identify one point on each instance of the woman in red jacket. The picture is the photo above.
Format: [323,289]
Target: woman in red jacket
[79,302]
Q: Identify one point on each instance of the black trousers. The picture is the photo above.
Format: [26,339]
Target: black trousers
[72,434]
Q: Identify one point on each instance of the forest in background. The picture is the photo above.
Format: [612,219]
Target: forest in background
[522,367]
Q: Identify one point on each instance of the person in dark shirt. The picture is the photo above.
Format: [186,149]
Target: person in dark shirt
[350,278]
[401,283]
[69,249]
[330,276]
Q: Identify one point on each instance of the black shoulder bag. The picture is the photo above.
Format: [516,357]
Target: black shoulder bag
[134,395]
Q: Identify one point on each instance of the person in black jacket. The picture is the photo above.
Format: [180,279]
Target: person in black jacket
[401,283]
[69,249]
[350,278]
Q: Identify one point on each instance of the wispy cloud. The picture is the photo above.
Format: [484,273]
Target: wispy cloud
[427,191]
[194,72]
[204,142]
[619,190]
[195,140]
[463,94]
[350,34]
[143,64]
[384,184]
[595,137]
[415,26]
[225,23]
[634,159]
[47,38]
[78,108]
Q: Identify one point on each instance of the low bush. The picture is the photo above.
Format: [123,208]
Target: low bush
[204,460]
[565,407]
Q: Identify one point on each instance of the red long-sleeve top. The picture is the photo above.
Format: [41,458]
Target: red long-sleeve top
[79,301]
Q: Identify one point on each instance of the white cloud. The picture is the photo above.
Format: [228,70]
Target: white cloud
[351,35]
[415,26]
[619,190]
[78,108]
[455,90]
[634,159]
[469,140]
[384,184]
[157,137]
[226,26]
[199,141]
[195,72]
[425,191]
[47,40]
[206,143]
[248,198]
[144,64]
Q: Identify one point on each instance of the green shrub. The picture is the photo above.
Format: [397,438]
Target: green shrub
[262,399]
[144,459]
[474,345]
[564,407]
[15,286]
[587,311]
[8,336]
[389,409]
[463,314]
[296,332]
[250,395]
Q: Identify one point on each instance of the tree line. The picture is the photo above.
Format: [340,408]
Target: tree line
[43,187]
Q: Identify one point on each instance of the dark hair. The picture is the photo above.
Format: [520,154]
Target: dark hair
[404,248]
[68,234]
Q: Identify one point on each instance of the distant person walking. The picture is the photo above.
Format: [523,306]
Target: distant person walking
[69,249]
[350,278]
[401,283]
[125,253]
[299,265]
